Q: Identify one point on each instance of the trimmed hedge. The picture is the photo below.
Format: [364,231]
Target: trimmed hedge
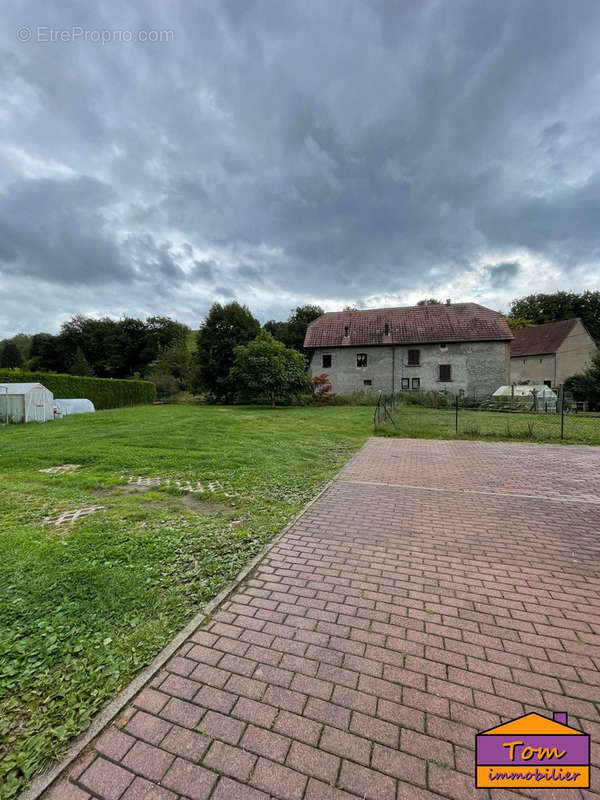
[103,392]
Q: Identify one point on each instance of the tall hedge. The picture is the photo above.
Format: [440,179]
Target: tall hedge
[103,392]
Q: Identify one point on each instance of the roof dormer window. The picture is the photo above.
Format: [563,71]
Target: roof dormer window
[386,329]
[346,331]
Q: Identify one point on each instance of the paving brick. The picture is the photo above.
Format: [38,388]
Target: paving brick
[426,747]
[152,701]
[300,728]
[141,789]
[65,790]
[327,712]
[216,699]
[346,745]
[221,727]
[185,743]
[190,780]
[366,782]
[278,780]
[182,712]
[106,779]
[147,727]
[265,743]
[314,762]
[316,790]
[228,789]
[253,711]
[285,698]
[113,744]
[147,760]
[227,760]
[180,687]
[376,730]
[399,765]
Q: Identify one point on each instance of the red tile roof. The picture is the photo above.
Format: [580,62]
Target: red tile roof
[541,339]
[458,322]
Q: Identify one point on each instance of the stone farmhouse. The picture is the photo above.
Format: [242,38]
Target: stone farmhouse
[457,347]
[550,353]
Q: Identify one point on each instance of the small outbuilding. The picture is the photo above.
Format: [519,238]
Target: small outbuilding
[73,405]
[25,402]
[524,397]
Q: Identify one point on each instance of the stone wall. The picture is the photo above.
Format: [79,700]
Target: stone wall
[476,367]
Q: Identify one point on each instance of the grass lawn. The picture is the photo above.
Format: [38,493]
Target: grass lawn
[84,608]
[432,423]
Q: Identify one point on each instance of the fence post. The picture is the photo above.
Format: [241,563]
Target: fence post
[457,413]
[562,412]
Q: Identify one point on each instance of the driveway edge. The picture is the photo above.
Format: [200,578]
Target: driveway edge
[45,780]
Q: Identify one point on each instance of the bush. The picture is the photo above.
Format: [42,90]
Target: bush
[322,389]
[103,392]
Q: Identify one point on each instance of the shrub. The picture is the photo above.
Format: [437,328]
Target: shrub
[321,388]
[103,392]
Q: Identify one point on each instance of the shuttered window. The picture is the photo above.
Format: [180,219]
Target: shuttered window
[445,372]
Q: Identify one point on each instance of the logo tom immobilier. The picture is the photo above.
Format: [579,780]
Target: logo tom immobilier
[533,751]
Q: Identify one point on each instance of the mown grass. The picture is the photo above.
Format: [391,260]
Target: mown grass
[83,609]
[434,423]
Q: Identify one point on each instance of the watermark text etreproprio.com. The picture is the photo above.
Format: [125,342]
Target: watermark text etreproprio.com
[76,33]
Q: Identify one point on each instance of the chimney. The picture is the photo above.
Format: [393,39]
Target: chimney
[560,716]
[448,302]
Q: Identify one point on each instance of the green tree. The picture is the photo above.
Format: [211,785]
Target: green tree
[542,308]
[80,365]
[298,322]
[225,328]
[276,329]
[11,355]
[586,385]
[178,362]
[514,323]
[267,368]
[429,301]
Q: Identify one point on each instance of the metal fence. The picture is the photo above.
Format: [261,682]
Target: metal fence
[538,403]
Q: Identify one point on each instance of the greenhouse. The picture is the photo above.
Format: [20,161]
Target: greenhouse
[25,402]
[524,397]
[73,405]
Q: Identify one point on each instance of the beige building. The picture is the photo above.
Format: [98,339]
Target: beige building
[550,353]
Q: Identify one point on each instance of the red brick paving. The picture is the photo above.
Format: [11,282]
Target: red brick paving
[434,590]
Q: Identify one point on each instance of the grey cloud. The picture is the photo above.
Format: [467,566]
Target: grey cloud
[327,151]
[503,274]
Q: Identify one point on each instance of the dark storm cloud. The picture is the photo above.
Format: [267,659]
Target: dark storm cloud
[503,274]
[350,151]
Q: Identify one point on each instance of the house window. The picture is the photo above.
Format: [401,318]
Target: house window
[367,383]
[361,359]
[346,331]
[326,360]
[414,358]
[548,383]
[445,372]
[443,346]
[405,383]
[416,383]
[386,329]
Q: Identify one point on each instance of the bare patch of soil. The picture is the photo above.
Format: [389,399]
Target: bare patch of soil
[135,489]
[204,507]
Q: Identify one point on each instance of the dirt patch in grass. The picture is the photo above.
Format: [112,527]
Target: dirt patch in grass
[203,507]
[121,490]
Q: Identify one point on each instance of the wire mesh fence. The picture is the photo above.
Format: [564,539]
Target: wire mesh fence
[538,413]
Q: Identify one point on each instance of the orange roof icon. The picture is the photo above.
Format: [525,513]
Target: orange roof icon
[537,725]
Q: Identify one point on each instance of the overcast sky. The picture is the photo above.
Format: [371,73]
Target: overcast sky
[289,152]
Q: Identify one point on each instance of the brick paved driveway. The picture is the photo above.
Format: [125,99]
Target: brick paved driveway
[435,589]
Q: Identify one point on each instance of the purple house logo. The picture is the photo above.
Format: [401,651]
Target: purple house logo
[533,751]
